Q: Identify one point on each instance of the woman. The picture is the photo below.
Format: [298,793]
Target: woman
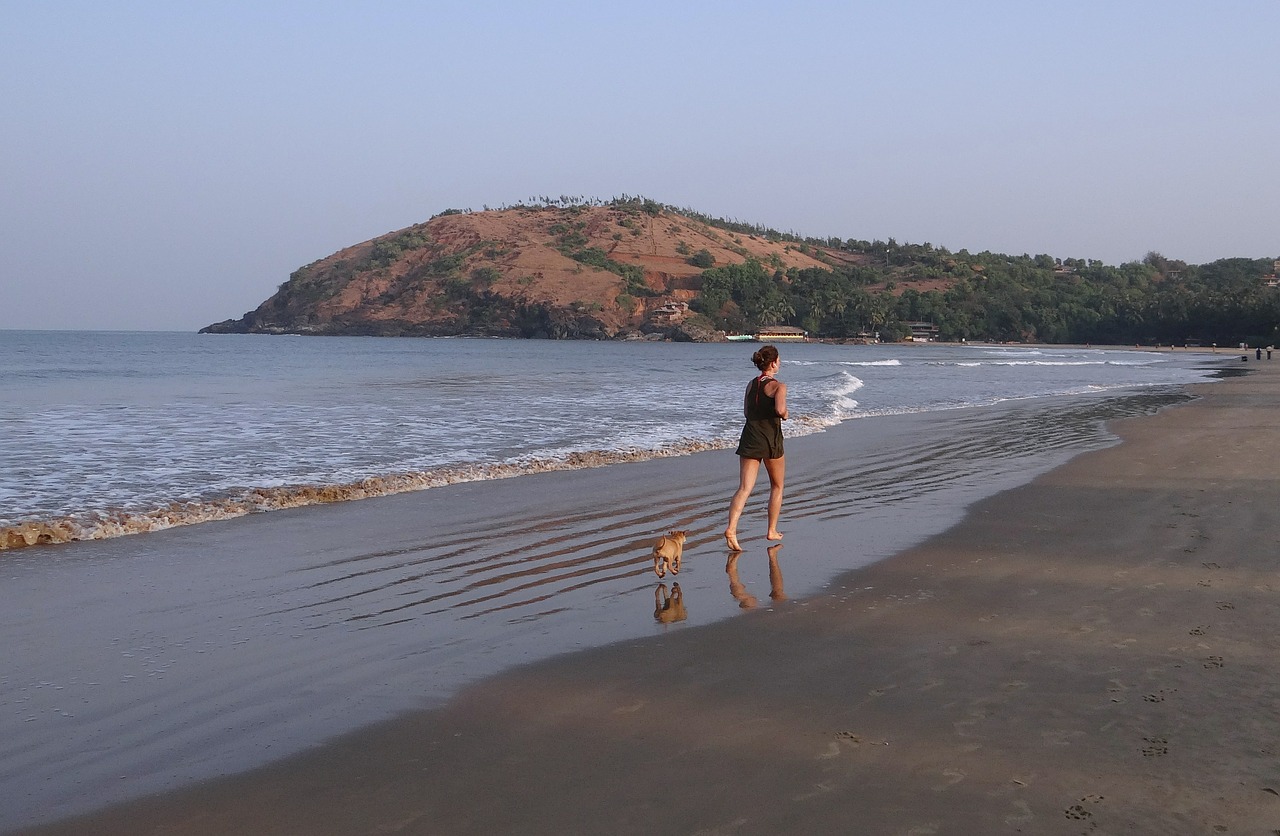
[765,407]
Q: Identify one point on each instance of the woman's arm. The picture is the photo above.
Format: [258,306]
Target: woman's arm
[779,395]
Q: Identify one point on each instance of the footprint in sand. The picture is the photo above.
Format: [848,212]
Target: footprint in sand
[953,776]
[1022,817]
[1059,737]
[1198,631]
[1213,662]
[1157,747]
[836,747]
[1210,565]
[818,790]
[1226,605]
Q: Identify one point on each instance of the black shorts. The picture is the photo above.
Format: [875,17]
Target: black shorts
[761,440]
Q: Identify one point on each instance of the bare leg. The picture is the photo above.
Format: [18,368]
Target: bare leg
[748,470]
[776,468]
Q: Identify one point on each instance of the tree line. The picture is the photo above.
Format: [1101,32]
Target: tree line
[997,297]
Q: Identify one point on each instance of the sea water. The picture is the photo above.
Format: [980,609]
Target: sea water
[105,433]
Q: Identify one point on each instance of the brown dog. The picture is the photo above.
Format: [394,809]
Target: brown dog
[667,553]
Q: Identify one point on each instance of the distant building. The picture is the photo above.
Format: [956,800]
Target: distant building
[781,333]
[923,331]
[669,313]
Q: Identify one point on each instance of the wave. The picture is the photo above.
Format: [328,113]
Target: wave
[107,525]
[834,393]
[980,363]
[836,406]
[843,362]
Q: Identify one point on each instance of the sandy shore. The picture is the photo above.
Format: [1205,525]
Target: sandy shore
[1090,653]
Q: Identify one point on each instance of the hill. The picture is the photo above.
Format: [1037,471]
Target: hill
[592,271]
[632,267]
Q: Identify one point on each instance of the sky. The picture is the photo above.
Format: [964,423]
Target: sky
[167,165]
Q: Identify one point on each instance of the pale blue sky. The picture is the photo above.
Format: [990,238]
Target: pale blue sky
[166,165]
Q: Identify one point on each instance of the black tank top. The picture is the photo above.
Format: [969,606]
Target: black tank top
[760,406]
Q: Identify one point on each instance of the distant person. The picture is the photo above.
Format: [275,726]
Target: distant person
[765,407]
[1258,354]
[1269,351]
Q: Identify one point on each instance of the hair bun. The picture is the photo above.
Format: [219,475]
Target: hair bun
[764,356]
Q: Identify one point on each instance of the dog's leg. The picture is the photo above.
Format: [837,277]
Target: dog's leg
[658,568]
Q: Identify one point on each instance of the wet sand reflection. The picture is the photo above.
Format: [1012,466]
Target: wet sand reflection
[739,590]
[669,608]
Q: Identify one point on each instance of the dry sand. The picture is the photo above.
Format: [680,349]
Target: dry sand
[1090,653]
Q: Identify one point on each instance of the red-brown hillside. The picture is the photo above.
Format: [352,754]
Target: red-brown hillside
[578,271]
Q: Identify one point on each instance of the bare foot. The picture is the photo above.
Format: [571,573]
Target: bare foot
[773,535]
[731,540]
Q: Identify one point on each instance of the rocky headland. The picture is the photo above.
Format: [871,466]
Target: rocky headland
[623,270]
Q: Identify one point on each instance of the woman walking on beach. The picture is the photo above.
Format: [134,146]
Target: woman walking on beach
[765,408]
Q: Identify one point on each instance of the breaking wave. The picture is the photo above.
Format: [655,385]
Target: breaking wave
[106,525]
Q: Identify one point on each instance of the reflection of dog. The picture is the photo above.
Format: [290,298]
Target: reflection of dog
[667,552]
[669,608]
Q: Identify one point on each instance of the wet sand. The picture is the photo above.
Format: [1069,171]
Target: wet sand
[1089,653]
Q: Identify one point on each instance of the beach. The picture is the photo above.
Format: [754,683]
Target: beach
[1091,652]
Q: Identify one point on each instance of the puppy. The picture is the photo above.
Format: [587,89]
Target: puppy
[667,552]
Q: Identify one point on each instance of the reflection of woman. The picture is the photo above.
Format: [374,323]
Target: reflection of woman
[736,587]
[765,408]
[776,592]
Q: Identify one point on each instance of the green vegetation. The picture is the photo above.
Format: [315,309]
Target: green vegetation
[702,258]
[1005,298]
[446,264]
[387,250]
[485,276]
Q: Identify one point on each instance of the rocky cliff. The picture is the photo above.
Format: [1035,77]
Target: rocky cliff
[580,271]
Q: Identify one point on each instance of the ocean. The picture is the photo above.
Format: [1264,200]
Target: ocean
[104,434]
[253,612]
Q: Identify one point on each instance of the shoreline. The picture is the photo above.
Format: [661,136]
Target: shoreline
[175,509]
[1089,650]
